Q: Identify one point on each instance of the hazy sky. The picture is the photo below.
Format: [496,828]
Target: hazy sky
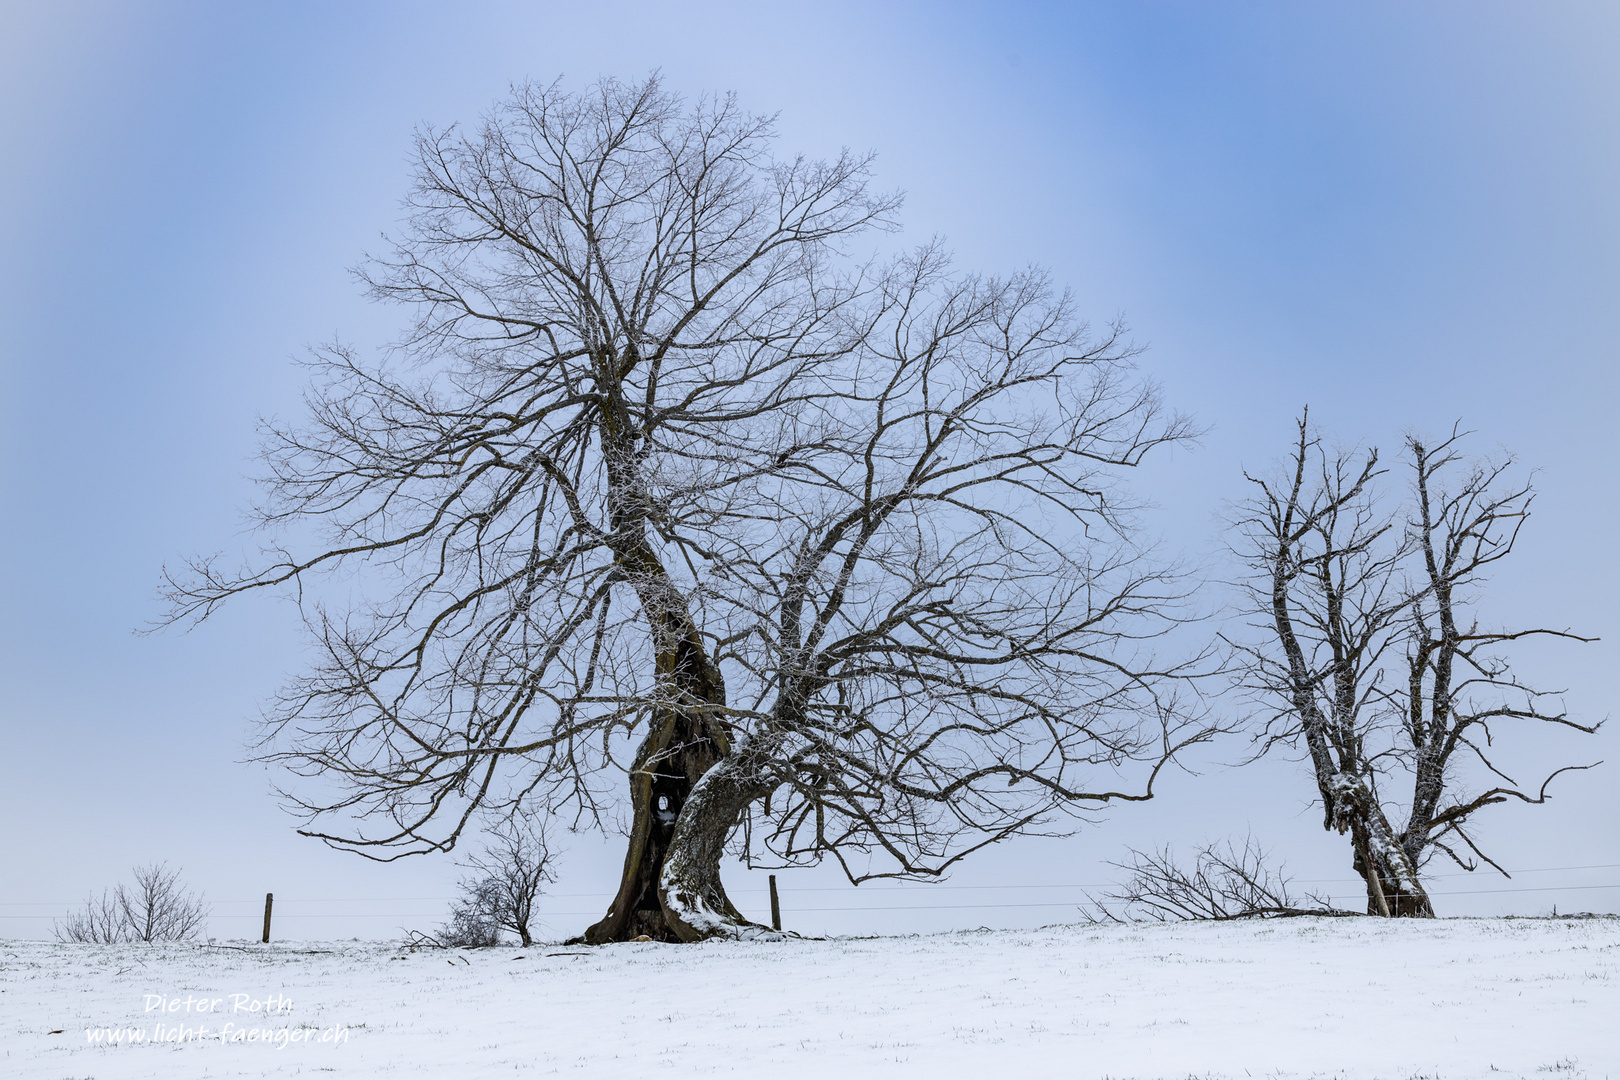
[1403,214]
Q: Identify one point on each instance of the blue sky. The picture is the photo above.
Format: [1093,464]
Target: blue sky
[1402,214]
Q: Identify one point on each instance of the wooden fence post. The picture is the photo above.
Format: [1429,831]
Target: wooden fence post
[776,906]
[268,899]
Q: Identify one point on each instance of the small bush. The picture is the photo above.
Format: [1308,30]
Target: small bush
[158,908]
[500,896]
[474,919]
[1224,882]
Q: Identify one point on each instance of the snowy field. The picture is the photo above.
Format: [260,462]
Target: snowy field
[1451,999]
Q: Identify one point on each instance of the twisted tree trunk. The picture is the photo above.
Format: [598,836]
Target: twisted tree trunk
[685,739]
[1390,873]
[690,892]
[1330,724]
[683,745]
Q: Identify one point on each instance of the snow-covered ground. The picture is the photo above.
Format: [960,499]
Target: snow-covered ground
[1301,998]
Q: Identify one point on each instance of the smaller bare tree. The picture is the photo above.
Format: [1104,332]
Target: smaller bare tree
[1367,649]
[158,908]
[501,893]
[1224,882]
[510,873]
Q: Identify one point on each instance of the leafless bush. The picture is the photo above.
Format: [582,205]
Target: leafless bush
[465,930]
[158,908]
[98,923]
[1224,882]
[473,919]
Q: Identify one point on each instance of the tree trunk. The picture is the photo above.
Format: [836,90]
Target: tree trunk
[1393,888]
[683,745]
[690,892]
[684,740]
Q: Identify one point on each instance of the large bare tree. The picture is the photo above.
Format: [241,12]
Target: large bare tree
[1368,653]
[604,288]
[621,449]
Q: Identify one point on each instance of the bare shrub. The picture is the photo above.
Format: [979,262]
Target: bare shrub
[473,921]
[1224,882]
[158,908]
[98,923]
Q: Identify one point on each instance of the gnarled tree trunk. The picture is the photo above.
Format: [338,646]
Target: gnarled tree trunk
[1390,874]
[685,742]
[685,739]
[693,900]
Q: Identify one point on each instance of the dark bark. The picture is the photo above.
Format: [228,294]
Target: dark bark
[690,893]
[683,745]
[684,741]
[1390,874]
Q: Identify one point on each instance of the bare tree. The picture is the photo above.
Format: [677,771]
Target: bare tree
[661,433]
[158,908]
[1368,658]
[1224,882]
[511,871]
[616,304]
